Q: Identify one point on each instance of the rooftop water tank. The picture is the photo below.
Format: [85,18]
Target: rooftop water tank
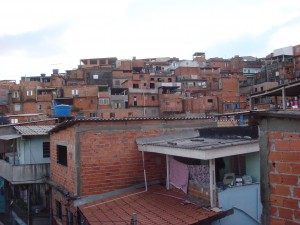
[62,110]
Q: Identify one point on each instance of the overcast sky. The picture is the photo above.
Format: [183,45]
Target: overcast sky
[37,36]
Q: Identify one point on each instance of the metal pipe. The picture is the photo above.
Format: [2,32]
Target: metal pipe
[145,176]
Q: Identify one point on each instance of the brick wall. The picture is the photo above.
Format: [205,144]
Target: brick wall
[200,105]
[86,103]
[109,158]
[64,175]
[170,103]
[57,80]
[83,91]
[284,161]
[187,71]
[110,161]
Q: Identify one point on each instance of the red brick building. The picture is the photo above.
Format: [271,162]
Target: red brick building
[94,156]
[296,50]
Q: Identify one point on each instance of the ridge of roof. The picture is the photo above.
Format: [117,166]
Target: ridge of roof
[69,123]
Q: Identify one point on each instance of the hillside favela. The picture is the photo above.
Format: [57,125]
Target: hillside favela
[154,141]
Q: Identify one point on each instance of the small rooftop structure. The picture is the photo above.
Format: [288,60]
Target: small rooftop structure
[205,144]
[199,54]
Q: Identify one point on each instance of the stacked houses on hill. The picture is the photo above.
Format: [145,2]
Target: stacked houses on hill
[137,142]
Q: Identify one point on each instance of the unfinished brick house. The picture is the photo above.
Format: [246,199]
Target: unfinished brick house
[5,101]
[296,50]
[90,157]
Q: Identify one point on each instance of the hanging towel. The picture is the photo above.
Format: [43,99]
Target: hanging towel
[179,175]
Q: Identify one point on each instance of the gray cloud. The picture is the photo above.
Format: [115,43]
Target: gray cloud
[250,44]
[44,42]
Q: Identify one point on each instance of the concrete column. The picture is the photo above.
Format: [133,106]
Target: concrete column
[168,172]
[283,99]
[251,103]
[212,181]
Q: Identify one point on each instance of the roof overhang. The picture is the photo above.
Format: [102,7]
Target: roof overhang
[9,137]
[202,154]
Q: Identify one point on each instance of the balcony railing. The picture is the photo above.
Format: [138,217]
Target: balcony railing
[141,91]
[22,174]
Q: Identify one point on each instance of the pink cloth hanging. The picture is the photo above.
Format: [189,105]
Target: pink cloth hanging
[179,175]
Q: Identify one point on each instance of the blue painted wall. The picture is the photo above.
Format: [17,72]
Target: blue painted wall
[246,203]
[2,196]
[253,166]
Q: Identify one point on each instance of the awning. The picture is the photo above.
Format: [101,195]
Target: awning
[10,136]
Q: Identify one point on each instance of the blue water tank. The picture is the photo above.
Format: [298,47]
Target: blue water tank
[62,110]
[55,71]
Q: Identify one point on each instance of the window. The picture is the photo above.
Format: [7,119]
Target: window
[39,107]
[46,149]
[152,85]
[29,93]
[14,120]
[261,88]
[145,84]
[112,115]
[15,94]
[169,79]
[153,98]
[17,107]
[236,105]
[227,106]
[74,92]
[202,84]
[93,114]
[103,89]
[135,86]
[61,154]
[58,209]
[103,101]
[134,101]
[209,100]
[95,76]
[117,105]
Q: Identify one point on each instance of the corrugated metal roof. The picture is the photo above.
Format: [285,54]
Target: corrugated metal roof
[34,130]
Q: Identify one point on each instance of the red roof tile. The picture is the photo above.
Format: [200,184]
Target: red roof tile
[156,206]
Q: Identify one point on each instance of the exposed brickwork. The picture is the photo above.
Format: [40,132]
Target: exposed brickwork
[109,158]
[64,175]
[284,177]
[110,161]
[203,104]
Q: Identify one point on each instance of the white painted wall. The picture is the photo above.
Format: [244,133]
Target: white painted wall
[30,151]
